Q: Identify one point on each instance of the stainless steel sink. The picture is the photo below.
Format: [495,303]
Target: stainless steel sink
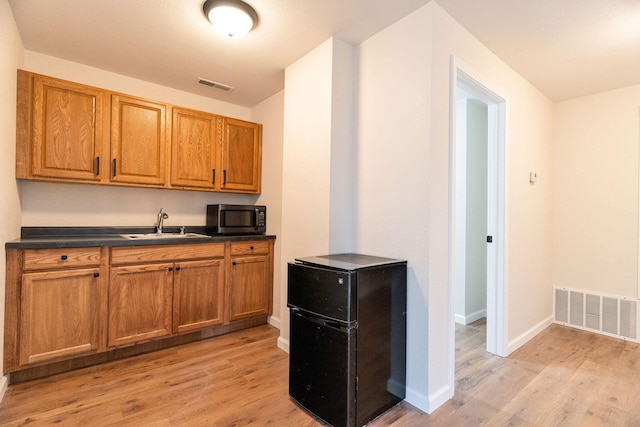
[155,236]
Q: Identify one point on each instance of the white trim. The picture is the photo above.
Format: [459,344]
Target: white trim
[470,318]
[274,321]
[431,402]
[638,247]
[283,344]
[525,337]
[4,384]
[478,85]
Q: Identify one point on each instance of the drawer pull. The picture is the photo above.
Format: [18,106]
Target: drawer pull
[96,274]
[63,257]
[233,263]
[251,247]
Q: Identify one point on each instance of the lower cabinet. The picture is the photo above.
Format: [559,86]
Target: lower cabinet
[60,314]
[250,280]
[198,295]
[55,304]
[64,304]
[140,298]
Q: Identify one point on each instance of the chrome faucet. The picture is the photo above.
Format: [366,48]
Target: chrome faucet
[160,224]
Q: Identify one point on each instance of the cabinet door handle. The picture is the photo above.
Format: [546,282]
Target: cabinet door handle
[178,268]
[233,263]
[98,165]
[63,257]
[170,268]
[224,177]
[114,168]
[213,179]
[251,247]
[96,274]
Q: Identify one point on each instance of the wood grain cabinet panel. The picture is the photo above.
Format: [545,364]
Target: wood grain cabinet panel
[138,140]
[140,300]
[241,156]
[59,314]
[40,259]
[64,306]
[67,130]
[195,148]
[249,287]
[70,132]
[198,294]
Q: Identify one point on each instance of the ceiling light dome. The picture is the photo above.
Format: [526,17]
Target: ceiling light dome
[233,18]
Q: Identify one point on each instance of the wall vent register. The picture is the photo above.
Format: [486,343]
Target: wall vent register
[611,315]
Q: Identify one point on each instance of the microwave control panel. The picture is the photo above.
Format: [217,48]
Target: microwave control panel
[261,219]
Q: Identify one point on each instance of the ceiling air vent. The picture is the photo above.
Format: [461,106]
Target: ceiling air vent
[216,85]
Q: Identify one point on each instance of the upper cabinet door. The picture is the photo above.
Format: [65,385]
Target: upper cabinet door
[195,148]
[138,141]
[67,129]
[241,156]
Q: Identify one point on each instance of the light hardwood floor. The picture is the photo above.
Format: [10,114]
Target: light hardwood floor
[563,377]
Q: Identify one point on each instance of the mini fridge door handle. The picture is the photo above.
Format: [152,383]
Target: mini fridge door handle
[324,321]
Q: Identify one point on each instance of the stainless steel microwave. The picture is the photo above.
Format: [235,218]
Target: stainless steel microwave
[236,219]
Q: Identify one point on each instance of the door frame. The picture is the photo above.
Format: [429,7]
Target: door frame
[464,76]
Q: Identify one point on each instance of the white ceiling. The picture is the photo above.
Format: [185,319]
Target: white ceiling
[566,48]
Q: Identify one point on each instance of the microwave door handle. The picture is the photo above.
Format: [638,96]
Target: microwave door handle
[255,218]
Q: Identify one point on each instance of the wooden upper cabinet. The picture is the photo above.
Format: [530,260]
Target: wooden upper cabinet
[67,129]
[241,156]
[195,148]
[138,141]
[70,132]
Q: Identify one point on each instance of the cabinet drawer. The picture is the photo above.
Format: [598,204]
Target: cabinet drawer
[163,253]
[42,259]
[249,248]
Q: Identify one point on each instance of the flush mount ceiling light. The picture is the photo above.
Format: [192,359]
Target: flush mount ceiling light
[233,18]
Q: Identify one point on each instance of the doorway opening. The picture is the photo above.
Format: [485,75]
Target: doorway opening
[477,208]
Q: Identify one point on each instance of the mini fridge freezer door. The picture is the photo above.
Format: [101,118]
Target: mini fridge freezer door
[329,293]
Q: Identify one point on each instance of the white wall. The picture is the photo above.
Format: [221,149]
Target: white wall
[11,58]
[315,133]
[343,156]
[595,227]
[53,204]
[403,183]
[270,112]
[393,173]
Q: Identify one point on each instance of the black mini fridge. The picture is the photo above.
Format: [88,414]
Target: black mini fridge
[347,344]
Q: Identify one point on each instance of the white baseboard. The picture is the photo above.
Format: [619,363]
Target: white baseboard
[470,318]
[525,337]
[283,344]
[4,383]
[429,403]
[274,321]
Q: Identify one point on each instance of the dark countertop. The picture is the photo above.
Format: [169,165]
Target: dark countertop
[73,237]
